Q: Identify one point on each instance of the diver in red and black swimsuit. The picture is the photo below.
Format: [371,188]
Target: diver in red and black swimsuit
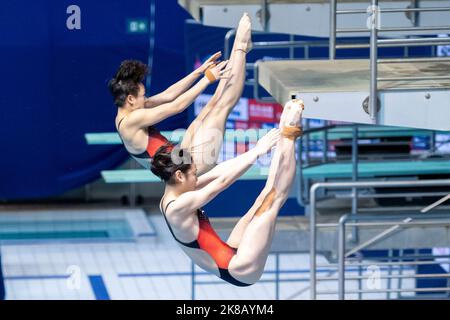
[154,142]
[209,241]
[241,259]
[138,115]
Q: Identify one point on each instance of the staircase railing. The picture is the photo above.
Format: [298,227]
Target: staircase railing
[350,186]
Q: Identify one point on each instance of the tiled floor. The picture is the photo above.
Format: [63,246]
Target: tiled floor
[152,267]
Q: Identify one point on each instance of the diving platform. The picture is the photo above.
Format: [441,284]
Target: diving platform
[311,17]
[412,93]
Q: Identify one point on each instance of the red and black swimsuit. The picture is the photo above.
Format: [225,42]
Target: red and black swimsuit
[209,241]
[155,141]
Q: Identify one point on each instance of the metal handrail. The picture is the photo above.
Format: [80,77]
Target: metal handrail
[291,44]
[414,60]
[277,280]
[287,44]
[414,41]
[392,276]
[405,257]
[435,204]
[393,10]
[375,42]
[444,222]
[446,289]
[349,185]
[394,195]
[389,43]
[226,49]
[398,29]
[393,263]
[342,241]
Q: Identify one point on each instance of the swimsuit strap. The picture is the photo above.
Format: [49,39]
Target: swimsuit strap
[165,210]
[193,244]
[120,121]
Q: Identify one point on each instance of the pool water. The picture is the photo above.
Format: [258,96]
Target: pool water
[66,229]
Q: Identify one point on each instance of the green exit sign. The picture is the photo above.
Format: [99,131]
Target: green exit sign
[137,26]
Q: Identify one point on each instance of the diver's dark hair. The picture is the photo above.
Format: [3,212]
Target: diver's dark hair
[126,81]
[163,165]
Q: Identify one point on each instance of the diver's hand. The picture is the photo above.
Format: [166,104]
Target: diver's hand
[217,72]
[267,142]
[208,63]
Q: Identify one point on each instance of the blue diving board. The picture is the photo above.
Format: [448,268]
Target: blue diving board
[370,132]
[238,135]
[378,169]
[146,176]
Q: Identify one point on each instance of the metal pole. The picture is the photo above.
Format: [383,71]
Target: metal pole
[398,29]
[386,43]
[226,50]
[312,242]
[355,178]
[332,49]
[400,272]
[373,61]
[265,15]
[378,237]
[415,14]
[193,281]
[307,140]
[397,60]
[277,276]
[422,78]
[413,41]
[433,140]
[439,9]
[325,144]
[291,49]
[389,280]
[386,184]
[303,195]
[406,263]
[435,204]
[341,258]
[132,191]
[394,10]
[360,273]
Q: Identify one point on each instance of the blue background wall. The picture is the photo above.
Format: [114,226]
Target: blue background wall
[53,87]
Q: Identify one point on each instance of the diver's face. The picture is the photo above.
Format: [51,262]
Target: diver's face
[140,99]
[191,177]
[137,102]
[188,180]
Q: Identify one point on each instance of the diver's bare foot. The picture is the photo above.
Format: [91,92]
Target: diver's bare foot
[244,34]
[292,114]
